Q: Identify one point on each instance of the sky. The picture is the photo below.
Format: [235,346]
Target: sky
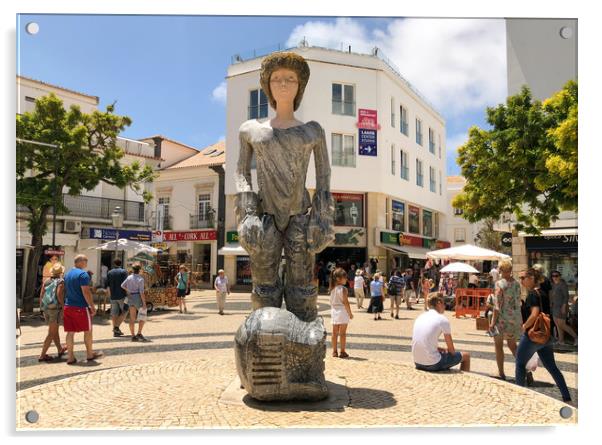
[168,72]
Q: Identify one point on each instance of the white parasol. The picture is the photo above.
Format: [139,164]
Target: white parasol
[125,244]
[458,267]
[467,252]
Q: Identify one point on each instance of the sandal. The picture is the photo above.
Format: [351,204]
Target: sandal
[63,351]
[499,377]
[343,355]
[335,354]
[95,356]
[74,361]
[46,358]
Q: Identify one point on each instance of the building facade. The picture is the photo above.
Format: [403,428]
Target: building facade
[386,148]
[459,230]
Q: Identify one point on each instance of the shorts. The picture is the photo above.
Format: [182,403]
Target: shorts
[395,299]
[52,314]
[181,293]
[118,307]
[447,361]
[135,300]
[76,319]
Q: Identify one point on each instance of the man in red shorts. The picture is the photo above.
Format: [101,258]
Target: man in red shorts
[79,308]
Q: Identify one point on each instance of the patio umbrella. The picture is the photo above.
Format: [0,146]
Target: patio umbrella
[467,252]
[125,244]
[458,267]
[143,256]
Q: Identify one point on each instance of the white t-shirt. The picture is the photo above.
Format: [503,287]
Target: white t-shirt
[425,337]
[495,275]
[473,279]
[222,284]
[359,282]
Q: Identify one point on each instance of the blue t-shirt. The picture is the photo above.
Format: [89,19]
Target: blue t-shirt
[114,279]
[376,288]
[74,280]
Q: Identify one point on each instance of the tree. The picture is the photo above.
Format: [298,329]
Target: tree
[526,164]
[489,238]
[87,154]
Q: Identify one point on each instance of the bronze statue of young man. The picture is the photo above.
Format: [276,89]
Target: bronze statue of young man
[280,354]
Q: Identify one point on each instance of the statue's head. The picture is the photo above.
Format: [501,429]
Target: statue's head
[284,61]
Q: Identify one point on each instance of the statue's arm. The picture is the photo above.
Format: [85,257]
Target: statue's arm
[322,163]
[242,177]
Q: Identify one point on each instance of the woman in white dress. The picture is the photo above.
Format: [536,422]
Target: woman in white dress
[340,310]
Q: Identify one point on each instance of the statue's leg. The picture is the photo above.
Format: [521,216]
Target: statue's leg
[267,287]
[300,293]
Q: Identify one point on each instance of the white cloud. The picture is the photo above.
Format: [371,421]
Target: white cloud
[459,65]
[454,142]
[219,93]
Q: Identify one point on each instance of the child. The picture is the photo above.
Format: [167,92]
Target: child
[340,310]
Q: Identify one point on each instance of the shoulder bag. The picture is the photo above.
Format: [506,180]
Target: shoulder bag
[540,331]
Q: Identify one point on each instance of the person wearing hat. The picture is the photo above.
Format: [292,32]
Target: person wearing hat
[222,288]
[358,289]
[277,217]
[52,296]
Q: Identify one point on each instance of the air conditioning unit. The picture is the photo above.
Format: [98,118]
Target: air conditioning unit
[71,226]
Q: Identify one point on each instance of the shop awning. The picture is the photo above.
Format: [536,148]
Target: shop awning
[394,249]
[232,250]
[567,231]
[412,252]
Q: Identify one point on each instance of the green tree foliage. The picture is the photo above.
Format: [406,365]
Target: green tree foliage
[526,164]
[489,238]
[86,155]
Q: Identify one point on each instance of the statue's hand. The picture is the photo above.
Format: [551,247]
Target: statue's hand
[245,203]
[320,228]
[251,233]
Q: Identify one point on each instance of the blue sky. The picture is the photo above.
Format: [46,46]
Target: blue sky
[165,72]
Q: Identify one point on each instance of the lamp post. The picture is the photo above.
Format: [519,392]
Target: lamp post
[117,218]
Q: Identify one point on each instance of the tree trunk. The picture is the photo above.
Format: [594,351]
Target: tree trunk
[37,229]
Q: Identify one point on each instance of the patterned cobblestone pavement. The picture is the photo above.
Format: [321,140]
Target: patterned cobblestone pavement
[177,380]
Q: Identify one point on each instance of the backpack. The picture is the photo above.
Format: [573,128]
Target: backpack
[50,289]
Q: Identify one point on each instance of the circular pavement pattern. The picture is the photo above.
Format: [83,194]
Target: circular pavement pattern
[186,394]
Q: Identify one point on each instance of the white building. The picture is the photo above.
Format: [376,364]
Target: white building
[398,190]
[459,230]
[189,194]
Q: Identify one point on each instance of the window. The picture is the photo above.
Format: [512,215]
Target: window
[258,104]
[432,180]
[439,141]
[405,166]
[398,219]
[29,99]
[164,201]
[440,184]
[392,113]
[343,99]
[427,223]
[459,235]
[458,211]
[431,140]
[393,159]
[349,209]
[419,175]
[343,150]
[204,205]
[414,219]
[418,131]
[403,121]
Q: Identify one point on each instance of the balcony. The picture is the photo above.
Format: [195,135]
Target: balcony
[201,222]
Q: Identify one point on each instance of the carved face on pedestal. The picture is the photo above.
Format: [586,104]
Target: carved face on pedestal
[284,85]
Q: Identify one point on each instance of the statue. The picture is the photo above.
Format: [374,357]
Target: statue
[282,216]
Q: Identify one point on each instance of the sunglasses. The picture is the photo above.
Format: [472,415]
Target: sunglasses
[524,276]
[555,276]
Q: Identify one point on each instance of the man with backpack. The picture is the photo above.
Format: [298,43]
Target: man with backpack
[51,300]
[396,287]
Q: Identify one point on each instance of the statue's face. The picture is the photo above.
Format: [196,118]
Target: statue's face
[284,85]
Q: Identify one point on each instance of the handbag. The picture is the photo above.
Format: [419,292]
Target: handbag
[540,331]
[187,291]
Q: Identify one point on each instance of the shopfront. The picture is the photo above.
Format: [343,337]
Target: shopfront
[555,252]
[107,257]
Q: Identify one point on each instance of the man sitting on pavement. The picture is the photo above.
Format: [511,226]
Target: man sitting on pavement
[427,329]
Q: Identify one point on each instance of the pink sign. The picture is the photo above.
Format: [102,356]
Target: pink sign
[367,119]
[193,235]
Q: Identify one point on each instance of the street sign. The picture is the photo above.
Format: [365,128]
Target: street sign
[507,239]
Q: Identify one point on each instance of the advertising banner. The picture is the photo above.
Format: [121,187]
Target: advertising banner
[191,235]
[367,142]
[111,234]
[367,119]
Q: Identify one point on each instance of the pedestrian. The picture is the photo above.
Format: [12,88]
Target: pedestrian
[410,289]
[104,272]
[222,288]
[426,284]
[133,285]
[526,348]
[427,354]
[358,289]
[183,286]
[473,281]
[340,311]
[52,295]
[396,287]
[117,295]
[559,302]
[79,309]
[376,297]
[506,319]
[494,275]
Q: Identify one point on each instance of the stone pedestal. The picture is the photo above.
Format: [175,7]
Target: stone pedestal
[279,357]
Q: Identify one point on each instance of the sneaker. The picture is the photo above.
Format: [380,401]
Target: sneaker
[530,380]
[135,338]
[391,314]
[117,332]
[397,317]
[142,338]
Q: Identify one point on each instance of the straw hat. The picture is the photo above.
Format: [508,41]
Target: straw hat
[57,270]
[358,272]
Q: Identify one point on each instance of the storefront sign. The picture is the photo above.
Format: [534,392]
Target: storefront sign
[429,243]
[58,252]
[409,240]
[507,239]
[111,234]
[160,246]
[349,238]
[349,209]
[442,244]
[367,119]
[192,235]
[367,142]
[232,237]
[389,238]
[563,242]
